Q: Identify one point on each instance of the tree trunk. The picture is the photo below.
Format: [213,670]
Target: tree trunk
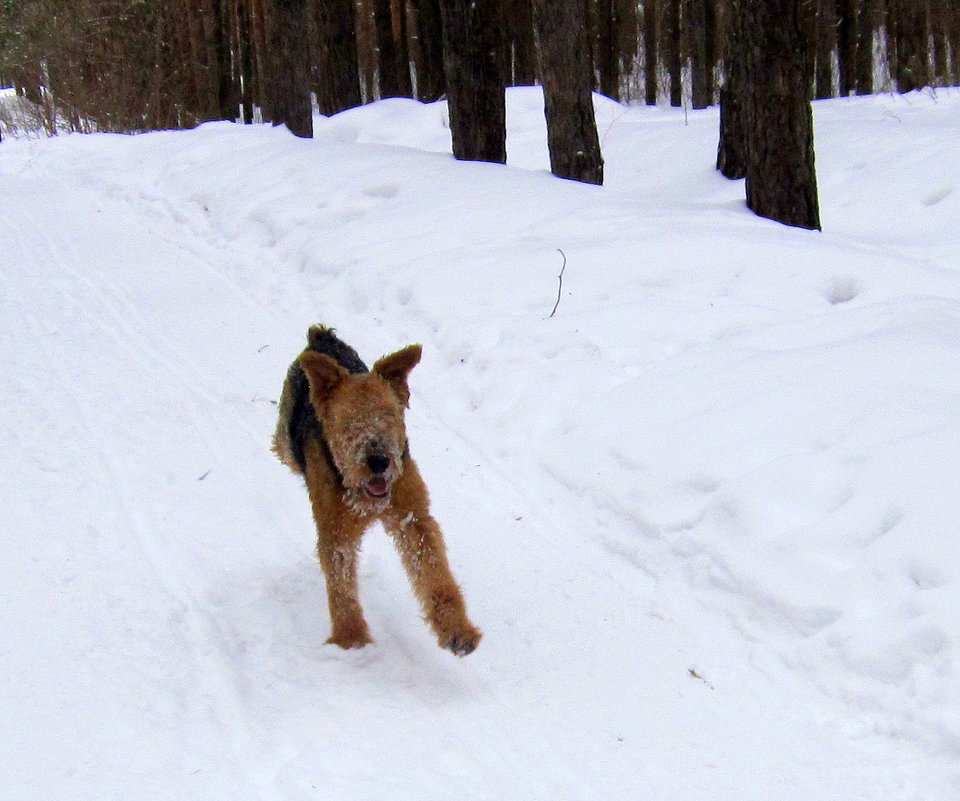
[430,82]
[473,63]
[263,93]
[651,62]
[865,27]
[568,100]
[245,47]
[523,49]
[781,176]
[607,53]
[670,40]
[846,11]
[290,57]
[218,46]
[338,72]
[732,149]
[699,25]
[910,22]
[386,52]
[825,26]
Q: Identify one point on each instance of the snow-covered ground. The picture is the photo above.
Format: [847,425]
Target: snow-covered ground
[706,514]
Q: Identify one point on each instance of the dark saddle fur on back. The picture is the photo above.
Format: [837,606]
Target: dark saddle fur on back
[301,421]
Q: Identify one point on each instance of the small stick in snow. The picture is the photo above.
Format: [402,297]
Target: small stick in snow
[560,278]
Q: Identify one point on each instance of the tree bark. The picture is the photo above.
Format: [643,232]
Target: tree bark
[651,60]
[732,149]
[568,101]
[430,81]
[473,64]
[846,11]
[338,73]
[290,57]
[607,54]
[699,24]
[864,66]
[670,42]
[909,22]
[825,25]
[519,22]
[781,176]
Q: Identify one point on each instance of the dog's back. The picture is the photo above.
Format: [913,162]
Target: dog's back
[297,420]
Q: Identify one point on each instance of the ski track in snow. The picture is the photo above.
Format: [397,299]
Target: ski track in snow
[640,638]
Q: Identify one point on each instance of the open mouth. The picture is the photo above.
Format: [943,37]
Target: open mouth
[377,487]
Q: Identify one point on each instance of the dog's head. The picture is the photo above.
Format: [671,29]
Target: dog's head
[362,418]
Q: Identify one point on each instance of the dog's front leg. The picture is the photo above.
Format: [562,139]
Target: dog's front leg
[339,563]
[423,552]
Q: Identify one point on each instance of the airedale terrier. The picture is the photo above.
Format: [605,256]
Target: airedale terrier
[341,426]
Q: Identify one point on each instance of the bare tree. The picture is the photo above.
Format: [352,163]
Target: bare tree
[568,100]
[781,176]
[732,149]
[700,20]
[670,47]
[866,23]
[908,23]
[473,63]
[338,72]
[393,61]
[522,53]
[651,58]
[431,84]
[290,58]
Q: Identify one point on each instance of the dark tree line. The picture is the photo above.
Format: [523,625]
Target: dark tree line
[123,65]
[132,65]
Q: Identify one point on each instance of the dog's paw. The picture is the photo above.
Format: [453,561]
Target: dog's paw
[352,639]
[463,642]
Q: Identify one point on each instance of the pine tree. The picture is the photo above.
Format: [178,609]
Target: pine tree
[290,79]
[781,176]
[568,100]
[473,64]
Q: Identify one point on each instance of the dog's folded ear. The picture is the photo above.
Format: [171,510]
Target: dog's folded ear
[323,374]
[394,370]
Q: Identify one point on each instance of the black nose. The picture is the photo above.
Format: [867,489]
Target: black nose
[377,463]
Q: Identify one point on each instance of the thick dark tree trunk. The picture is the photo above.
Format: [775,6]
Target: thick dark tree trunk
[473,64]
[338,73]
[568,100]
[430,81]
[732,150]
[781,175]
[290,57]
[650,55]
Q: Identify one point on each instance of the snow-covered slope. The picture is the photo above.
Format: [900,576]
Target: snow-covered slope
[705,514]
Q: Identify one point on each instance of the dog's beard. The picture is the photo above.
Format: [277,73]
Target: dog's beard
[360,501]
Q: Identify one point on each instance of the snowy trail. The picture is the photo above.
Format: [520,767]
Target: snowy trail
[117,386]
[624,488]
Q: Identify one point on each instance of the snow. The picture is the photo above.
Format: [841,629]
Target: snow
[705,514]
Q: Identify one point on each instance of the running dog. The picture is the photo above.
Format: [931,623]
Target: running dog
[341,426]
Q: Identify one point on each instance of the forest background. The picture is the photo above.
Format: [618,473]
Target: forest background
[136,65]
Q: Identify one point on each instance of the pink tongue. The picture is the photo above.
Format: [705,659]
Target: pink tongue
[377,486]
